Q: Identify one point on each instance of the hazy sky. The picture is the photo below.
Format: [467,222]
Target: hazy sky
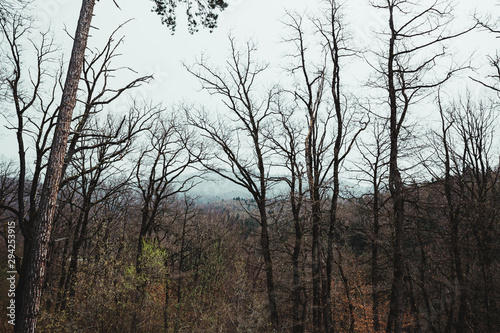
[149,47]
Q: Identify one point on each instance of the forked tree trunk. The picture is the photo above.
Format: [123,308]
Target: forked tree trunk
[29,289]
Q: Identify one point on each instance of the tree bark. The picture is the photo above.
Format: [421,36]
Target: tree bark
[453,221]
[375,248]
[298,323]
[268,264]
[32,273]
[316,241]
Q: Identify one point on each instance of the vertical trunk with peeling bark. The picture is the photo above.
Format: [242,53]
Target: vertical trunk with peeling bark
[32,273]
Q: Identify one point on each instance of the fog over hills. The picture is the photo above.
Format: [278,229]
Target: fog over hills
[216,189]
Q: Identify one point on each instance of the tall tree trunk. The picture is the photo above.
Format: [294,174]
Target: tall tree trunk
[396,189]
[327,301]
[461,325]
[167,296]
[395,186]
[268,264]
[312,179]
[298,324]
[316,265]
[375,247]
[453,221]
[78,238]
[260,199]
[28,293]
[413,301]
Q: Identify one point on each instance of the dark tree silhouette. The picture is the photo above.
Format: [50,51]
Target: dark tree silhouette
[416,34]
[241,154]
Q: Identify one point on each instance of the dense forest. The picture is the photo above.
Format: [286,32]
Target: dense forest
[371,206]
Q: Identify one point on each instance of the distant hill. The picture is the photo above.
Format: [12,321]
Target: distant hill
[218,190]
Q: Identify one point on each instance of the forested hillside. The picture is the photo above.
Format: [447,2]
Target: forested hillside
[366,205]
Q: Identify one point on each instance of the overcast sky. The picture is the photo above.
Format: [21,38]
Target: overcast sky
[149,47]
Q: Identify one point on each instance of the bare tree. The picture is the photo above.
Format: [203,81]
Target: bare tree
[92,173]
[99,92]
[336,47]
[27,94]
[87,128]
[309,94]
[373,169]
[320,92]
[162,170]
[444,150]
[33,268]
[30,93]
[29,90]
[286,137]
[241,154]
[475,125]
[29,288]
[10,8]
[416,34]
